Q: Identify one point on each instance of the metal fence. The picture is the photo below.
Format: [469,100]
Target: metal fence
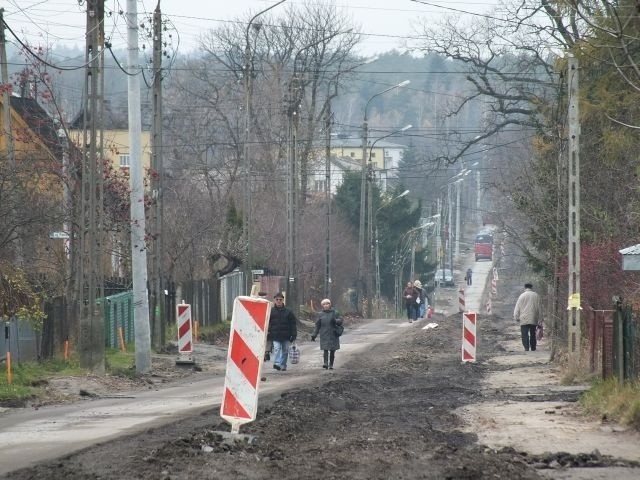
[118,313]
[613,340]
[231,286]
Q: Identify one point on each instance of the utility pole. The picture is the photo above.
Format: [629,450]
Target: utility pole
[327,190]
[91,285]
[361,287]
[574,329]
[458,223]
[450,232]
[138,244]
[8,133]
[293,114]
[157,306]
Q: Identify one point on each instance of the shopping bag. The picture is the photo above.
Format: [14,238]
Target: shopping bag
[294,353]
[539,332]
[429,312]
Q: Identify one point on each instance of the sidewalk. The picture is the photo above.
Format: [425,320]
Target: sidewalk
[526,406]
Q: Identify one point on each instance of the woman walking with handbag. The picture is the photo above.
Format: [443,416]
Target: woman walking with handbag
[329,326]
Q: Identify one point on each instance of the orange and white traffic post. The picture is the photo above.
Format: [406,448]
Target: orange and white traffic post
[469,337]
[461,300]
[185,334]
[247,340]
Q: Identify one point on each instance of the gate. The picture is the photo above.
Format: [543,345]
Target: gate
[614,346]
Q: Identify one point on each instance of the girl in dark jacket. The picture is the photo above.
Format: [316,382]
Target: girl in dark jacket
[325,326]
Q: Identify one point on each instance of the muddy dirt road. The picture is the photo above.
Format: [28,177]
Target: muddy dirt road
[403,408]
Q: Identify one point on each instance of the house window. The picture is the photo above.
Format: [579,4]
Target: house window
[124,161]
[373,154]
[320,185]
[353,154]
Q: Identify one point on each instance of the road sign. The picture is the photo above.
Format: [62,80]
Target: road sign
[247,339]
[59,235]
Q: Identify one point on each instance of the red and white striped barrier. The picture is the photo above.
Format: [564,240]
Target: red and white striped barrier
[469,337]
[495,273]
[461,300]
[488,306]
[247,339]
[494,288]
[185,333]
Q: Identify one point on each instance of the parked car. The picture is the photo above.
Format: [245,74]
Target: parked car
[444,278]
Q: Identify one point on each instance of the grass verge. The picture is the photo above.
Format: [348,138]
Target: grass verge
[29,378]
[610,400]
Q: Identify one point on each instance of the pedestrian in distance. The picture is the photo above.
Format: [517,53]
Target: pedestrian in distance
[528,313]
[327,320]
[409,300]
[468,276]
[282,331]
[420,307]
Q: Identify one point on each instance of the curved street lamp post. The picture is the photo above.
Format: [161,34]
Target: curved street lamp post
[246,170]
[377,247]
[361,290]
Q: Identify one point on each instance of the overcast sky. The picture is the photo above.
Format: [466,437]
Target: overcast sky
[384,23]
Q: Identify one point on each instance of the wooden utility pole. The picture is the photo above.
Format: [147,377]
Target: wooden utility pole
[157,306]
[91,285]
[574,329]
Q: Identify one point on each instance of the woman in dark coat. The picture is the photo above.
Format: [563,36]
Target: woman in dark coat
[325,326]
[409,300]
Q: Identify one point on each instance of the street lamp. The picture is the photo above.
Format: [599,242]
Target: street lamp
[377,247]
[332,83]
[363,187]
[295,93]
[370,219]
[458,183]
[248,90]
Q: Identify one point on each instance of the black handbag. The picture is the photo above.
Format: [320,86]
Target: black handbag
[338,330]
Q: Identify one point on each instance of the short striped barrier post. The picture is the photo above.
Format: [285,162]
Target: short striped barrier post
[488,306]
[185,334]
[469,337]
[461,300]
[247,340]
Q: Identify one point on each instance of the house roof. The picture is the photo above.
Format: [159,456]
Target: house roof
[632,250]
[38,121]
[113,118]
[346,163]
[354,142]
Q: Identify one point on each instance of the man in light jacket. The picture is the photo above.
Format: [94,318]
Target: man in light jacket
[528,313]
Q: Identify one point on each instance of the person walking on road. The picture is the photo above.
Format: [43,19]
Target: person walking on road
[329,340]
[468,276]
[409,300]
[528,313]
[282,331]
[420,305]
